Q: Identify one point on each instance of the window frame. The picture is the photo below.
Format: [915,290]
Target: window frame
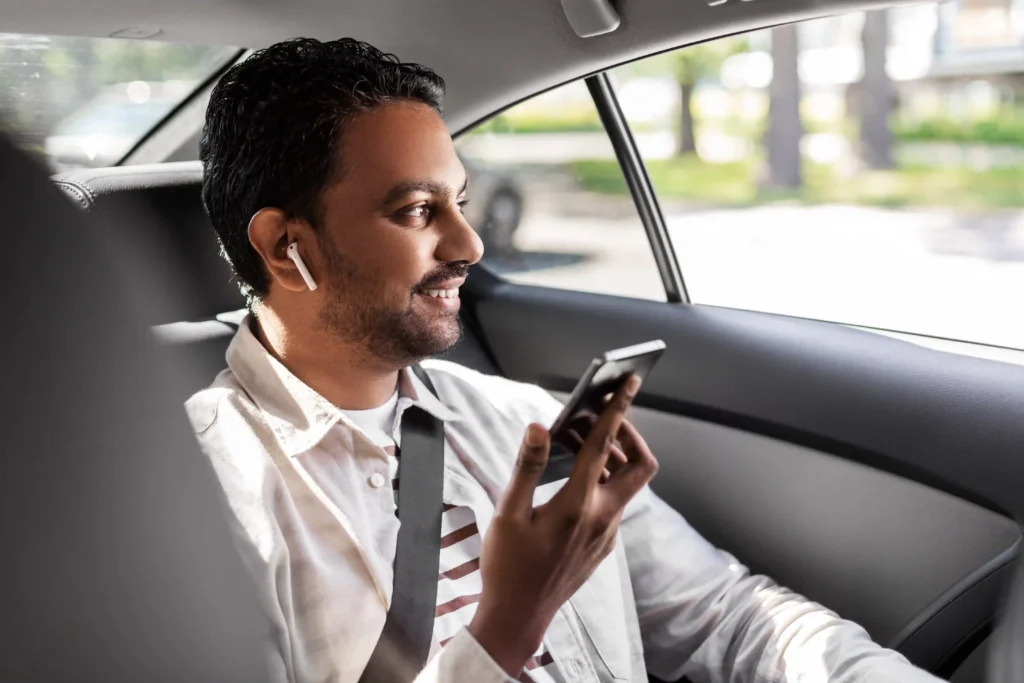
[634,171]
[640,188]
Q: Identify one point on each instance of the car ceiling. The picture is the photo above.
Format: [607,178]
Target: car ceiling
[491,53]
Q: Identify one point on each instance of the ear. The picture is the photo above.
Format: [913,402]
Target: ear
[270,233]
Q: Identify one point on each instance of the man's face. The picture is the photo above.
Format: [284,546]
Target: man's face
[393,240]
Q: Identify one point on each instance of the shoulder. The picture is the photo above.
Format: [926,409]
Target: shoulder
[225,395]
[235,439]
[463,388]
[229,426]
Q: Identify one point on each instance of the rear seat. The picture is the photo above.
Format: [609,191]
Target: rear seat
[157,210]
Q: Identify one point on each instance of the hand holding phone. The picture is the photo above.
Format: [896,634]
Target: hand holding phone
[604,376]
[534,558]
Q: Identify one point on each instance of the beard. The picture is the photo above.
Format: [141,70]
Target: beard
[357,311]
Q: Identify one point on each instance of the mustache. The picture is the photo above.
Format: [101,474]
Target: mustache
[448,271]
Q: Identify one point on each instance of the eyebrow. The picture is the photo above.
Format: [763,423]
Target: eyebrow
[428,186]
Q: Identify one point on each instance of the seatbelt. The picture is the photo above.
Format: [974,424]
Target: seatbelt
[404,644]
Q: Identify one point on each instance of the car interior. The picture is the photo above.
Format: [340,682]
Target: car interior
[876,475]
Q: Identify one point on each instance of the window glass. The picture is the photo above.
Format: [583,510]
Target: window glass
[862,169]
[85,102]
[539,223]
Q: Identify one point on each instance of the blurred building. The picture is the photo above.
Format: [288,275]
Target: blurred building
[979,37]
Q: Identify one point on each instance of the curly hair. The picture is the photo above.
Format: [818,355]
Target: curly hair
[273,130]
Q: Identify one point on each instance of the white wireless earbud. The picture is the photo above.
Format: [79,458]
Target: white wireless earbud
[293,254]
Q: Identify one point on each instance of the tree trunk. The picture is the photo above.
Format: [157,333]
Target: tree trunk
[785,129]
[687,139]
[875,94]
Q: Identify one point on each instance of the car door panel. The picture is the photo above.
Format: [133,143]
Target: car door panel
[869,473]
[835,530]
[879,549]
[839,532]
[950,421]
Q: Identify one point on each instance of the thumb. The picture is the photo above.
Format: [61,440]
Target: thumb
[530,465]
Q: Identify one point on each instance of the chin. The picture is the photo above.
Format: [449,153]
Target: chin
[438,337]
[411,343]
[445,335]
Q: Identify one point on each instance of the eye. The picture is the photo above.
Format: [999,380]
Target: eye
[421,211]
[462,205]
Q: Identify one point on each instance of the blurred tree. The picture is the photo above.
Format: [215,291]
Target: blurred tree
[690,66]
[785,129]
[873,97]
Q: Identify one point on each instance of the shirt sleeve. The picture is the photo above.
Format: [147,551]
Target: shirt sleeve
[462,660]
[704,615]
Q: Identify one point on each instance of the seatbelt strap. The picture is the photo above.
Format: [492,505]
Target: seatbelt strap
[404,644]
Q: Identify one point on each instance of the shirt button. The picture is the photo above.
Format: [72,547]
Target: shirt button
[377,480]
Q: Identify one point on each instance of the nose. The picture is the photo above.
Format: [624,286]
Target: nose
[459,241]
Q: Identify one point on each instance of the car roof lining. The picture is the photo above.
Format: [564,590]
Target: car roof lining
[517,48]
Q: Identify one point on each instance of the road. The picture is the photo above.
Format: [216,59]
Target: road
[930,272]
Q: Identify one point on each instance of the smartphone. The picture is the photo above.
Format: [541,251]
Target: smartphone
[604,376]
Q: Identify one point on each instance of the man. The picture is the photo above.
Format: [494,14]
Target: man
[341,151]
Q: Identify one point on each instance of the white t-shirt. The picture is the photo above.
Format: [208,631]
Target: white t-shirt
[379,425]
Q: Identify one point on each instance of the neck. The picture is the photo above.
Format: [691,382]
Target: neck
[346,376]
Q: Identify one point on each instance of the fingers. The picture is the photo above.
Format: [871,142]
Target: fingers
[639,468]
[615,456]
[593,455]
[616,459]
[530,465]
[574,436]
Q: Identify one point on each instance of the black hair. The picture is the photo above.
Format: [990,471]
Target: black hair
[272,133]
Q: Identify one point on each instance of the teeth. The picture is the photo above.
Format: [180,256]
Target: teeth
[442,293]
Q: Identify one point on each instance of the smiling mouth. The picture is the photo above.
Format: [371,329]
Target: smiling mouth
[440,293]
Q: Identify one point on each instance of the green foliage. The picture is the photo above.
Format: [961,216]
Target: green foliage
[695,63]
[735,184]
[583,121]
[1003,128]
[690,64]
[684,177]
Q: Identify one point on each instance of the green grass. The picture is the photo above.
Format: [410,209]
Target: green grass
[735,184]
[1003,128]
[683,178]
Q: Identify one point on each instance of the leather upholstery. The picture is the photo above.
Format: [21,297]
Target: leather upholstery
[156,212]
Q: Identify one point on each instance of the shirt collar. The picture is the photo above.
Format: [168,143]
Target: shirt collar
[298,416]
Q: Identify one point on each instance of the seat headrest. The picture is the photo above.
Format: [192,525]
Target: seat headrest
[157,212]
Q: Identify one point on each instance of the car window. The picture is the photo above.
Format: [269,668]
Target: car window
[85,102]
[860,169]
[539,223]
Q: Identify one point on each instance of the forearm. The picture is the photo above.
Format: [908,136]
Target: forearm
[766,633]
[703,615]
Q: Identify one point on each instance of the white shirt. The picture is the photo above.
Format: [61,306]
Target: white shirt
[320,539]
[459,583]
